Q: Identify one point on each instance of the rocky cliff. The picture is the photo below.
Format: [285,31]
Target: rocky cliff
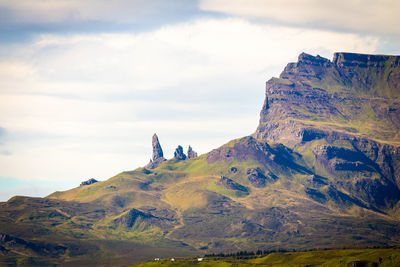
[355,94]
[347,112]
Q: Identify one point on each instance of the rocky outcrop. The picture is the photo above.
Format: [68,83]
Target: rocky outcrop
[158,155]
[230,184]
[257,177]
[178,154]
[191,153]
[89,182]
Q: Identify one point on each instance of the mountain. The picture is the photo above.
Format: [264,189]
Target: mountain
[321,170]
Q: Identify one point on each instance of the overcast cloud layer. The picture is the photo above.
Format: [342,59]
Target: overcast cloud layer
[79,103]
[361,16]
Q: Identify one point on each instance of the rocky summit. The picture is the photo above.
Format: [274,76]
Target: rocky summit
[321,170]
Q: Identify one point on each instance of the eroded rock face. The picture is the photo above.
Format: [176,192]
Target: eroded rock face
[178,154]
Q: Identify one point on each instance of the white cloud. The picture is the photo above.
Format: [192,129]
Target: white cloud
[183,54]
[86,105]
[361,16]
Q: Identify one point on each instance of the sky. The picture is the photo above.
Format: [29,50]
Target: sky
[84,84]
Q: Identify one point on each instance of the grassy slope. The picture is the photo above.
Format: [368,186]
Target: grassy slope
[368,257]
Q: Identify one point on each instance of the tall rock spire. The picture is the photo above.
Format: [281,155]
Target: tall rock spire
[157,150]
[158,155]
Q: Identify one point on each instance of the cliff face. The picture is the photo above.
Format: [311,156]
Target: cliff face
[354,94]
[347,111]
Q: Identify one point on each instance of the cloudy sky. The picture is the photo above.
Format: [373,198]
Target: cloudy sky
[85,83]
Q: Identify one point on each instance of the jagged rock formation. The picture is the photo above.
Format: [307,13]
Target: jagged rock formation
[191,153]
[178,154]
[158,155]
[89,182]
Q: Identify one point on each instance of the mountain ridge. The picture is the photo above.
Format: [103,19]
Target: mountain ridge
[322,169]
